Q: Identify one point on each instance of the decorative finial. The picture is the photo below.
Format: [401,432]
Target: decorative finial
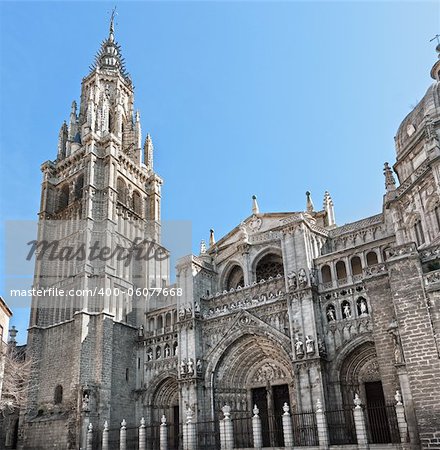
[398,397]
[390,182]
[123,424]
[105,426]
[255,208]
[357,401]
[112,24]
[90,427]
[329,209]
[202,247]
[142,422]
[318,405]
[163,420]
[226,411]
[286,409]
[310,207]
[148,151]
[256,411]
[211,237]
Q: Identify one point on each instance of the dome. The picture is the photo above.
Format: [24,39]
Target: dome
[429,106]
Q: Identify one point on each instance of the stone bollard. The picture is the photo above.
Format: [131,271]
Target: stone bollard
[226,430]
[90,437]
[163,436]
[359,423]
[189,431]
[256,428]
[142,443]
[287,427]
[123,436]
[401,420]
[321,423]
[105,436]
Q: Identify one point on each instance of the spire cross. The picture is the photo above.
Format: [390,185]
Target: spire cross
[436,37]
[112,19]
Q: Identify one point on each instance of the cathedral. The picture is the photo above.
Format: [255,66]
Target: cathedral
[287,308]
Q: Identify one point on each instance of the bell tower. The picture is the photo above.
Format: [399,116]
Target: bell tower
[100,200]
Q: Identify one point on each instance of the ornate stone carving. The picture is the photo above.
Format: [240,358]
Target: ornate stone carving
[302,279]
[310,345]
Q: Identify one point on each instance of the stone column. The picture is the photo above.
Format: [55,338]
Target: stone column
[226,430]
[359,423]
[321,423]
[89,437]
[256,428]
[163,437]
[123,436]
[142,442]
[401,421]
[287,427]
[189,431]
[105,436]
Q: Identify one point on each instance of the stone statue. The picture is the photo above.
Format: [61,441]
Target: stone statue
[244,233]
[331,316]
[398,352]
[302,278]
[321,347]
[291,280]
[190,366]
[182,313]
[85,403]
[299,347]
[149,355]
[167,351]
[347,311]
[363,307]
[183,367]
[310,345]
[158,352]
[199,366]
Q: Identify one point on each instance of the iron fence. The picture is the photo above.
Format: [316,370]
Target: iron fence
[341,427]
[382,425]
[305,429]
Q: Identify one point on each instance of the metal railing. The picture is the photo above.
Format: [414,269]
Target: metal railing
[341,427]
[382,425]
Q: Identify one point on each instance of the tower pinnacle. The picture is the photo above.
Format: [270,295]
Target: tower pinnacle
[255,208]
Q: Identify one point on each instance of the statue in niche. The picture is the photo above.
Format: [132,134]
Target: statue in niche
[181,313]
[199,366]
[346,311]
[149,355]
[167,351]
[158,352]
[398,352]
[331,313]
[310,345]
[363,308]
[302,278]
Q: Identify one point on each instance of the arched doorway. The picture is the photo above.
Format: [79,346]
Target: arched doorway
[255,370]
[165,402]
[360,375]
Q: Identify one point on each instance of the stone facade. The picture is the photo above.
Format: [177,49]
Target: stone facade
[287,307]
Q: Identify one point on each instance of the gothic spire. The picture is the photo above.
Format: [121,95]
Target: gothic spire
[211,237]
[148,152]
[329,209]
[390,182]
[109,58]
[435,71]
[309,203]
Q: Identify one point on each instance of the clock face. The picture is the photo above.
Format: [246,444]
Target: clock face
[410,129]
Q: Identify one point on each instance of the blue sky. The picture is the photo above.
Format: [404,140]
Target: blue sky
[241,98]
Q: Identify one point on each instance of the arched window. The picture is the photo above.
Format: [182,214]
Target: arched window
[158,352]
[159,322]
[418,230]
[79,185]
[64,197]
[326,274]
[235,278]
[58,395]
[122,191]
[371,258]
[137,203]
[269,266]
[151,325]
[356,265]
[168,320]
[341,271]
